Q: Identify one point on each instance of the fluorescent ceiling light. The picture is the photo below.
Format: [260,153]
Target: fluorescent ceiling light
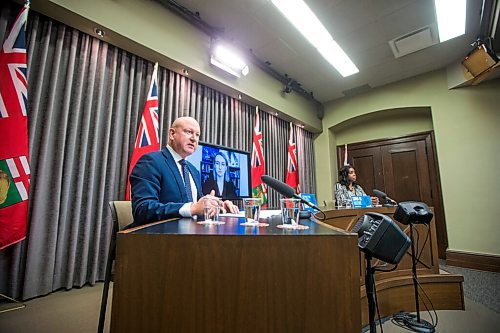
[299,14]
[451,18]
[228,60]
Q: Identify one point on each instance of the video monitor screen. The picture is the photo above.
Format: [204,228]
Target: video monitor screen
[224,170]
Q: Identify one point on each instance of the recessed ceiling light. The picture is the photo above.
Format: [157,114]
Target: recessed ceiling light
[185,71]
[451,16]
[306,22]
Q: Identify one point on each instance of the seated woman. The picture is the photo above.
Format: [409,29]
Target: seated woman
[347,187]
[219,180]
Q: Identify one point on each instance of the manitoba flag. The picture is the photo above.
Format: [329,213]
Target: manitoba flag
[14,157]
[147,136]
[292,171]
[259,189]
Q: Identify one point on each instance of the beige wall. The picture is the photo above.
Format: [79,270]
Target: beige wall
[383,124]
[466,123]
[148,29]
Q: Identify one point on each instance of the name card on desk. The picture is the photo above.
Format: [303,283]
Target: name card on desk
[312,199]
[361,201]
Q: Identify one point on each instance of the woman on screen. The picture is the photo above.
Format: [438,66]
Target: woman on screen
[219,180]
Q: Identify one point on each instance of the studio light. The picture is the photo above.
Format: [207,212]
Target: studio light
[306,22]
[227,59]
[451,16]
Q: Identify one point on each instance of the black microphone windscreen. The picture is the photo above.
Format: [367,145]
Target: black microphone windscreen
[379,194]
[280,187]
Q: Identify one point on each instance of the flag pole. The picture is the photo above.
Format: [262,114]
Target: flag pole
[7,303]
[345,155]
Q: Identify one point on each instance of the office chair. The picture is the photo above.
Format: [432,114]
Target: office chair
[121,214]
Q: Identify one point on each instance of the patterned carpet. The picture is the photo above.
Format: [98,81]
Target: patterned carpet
[479,286]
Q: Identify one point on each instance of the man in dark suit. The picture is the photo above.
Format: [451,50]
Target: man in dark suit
[164,185]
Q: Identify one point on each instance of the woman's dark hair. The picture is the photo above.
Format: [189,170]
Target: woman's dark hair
[343,174]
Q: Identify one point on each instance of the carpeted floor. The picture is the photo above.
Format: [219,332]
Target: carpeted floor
[77,310]
[481,287]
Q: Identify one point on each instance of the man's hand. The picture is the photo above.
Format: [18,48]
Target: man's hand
[211,199]
[228,206]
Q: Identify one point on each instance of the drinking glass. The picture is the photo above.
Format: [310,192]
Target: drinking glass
[252,209]
[290,209]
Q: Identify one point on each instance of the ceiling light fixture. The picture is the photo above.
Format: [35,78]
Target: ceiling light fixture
[451,16]
[228,59]
[302,17]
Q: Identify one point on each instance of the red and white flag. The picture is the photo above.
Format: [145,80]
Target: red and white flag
[259,189]
[14,151]
[292,171]
[147,136]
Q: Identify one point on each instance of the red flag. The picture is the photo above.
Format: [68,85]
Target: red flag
[14,152]
[259,189]
[147,136]
[292,171]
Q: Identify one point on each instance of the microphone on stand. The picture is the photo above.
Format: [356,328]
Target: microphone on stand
[384,199]
[288,192]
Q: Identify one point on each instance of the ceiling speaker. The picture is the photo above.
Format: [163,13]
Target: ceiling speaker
[479,61]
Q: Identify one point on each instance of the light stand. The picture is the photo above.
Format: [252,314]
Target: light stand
[409,212]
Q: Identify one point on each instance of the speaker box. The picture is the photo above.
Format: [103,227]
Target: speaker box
[381,238]
[413,212]
[479,61]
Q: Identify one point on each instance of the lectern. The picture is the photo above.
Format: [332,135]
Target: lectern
[180,276]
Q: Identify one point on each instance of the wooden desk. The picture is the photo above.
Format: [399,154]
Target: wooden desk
[395,292]
[179,276]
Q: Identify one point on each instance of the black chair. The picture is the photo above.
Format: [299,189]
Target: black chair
[121,213]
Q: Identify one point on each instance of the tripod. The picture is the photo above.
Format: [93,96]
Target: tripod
[418,325]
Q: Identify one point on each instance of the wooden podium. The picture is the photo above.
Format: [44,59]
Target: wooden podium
[395,291]
[180,276]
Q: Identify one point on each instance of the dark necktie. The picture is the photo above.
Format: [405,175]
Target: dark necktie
[187,183]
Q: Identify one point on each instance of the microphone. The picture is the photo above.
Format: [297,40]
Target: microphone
[285,190]
[383,197]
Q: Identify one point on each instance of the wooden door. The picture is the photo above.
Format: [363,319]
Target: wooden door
[405,168]
[406,172]
[368,164]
